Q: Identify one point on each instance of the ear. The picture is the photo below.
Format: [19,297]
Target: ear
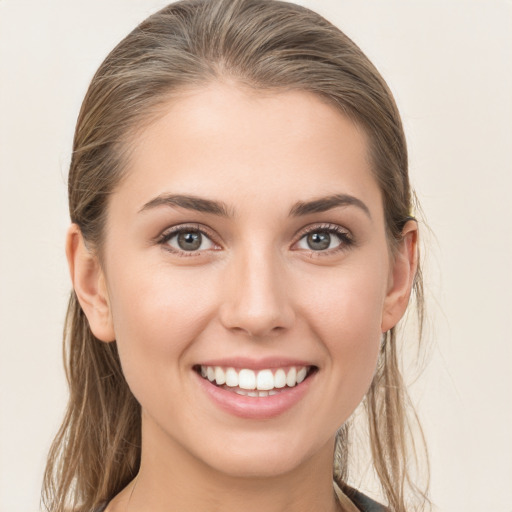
[402,272]
[89,284]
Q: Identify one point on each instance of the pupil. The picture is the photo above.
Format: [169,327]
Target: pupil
[189,241]
[319,241]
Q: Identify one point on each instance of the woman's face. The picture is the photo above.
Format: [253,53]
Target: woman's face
[247,243]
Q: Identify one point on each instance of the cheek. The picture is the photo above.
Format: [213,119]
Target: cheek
[346,314]
[348,303]
[157,315]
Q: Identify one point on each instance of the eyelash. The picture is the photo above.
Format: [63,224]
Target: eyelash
[346,240]
[164,238]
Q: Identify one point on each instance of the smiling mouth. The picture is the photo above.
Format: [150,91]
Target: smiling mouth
[261,383]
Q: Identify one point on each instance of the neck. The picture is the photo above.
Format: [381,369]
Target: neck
[173,479]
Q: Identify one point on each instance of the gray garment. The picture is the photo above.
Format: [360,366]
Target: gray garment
[363,502]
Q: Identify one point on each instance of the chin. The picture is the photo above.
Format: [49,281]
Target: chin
[257,467]
[261,457]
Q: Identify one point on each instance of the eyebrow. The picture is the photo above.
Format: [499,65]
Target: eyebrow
[220,208]
[198,204]
[324,204]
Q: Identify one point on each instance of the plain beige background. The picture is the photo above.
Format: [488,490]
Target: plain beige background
[448,63]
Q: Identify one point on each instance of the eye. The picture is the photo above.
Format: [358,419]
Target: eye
[325,239]
[186,239]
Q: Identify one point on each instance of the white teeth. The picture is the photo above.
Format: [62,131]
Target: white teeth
[231,377]
[247,379]
[244,392]
[264,383]
[291,378]
[280,379]
[265,380]
[301,375]
[220,376]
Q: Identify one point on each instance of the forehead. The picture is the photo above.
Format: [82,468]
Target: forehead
[226,140]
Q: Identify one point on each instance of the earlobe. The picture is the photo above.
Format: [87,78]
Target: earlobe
[402,273]
[89,283]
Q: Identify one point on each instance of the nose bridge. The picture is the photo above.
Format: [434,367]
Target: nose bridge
[257,301]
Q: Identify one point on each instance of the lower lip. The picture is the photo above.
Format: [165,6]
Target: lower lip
[260,408]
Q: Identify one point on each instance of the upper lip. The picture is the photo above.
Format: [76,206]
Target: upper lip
[255,364]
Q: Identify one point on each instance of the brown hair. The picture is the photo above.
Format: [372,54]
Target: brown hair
[262,44]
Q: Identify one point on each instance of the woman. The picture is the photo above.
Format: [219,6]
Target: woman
[241,251]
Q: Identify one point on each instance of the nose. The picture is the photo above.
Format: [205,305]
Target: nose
[256,296]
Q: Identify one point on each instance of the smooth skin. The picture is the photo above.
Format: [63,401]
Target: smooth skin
[258,285]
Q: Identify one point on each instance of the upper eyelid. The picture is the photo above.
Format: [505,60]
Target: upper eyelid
[173,230]
[167,233]
[344,235]
[322,226]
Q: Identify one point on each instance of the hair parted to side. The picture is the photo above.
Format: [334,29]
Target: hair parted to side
[261,44]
